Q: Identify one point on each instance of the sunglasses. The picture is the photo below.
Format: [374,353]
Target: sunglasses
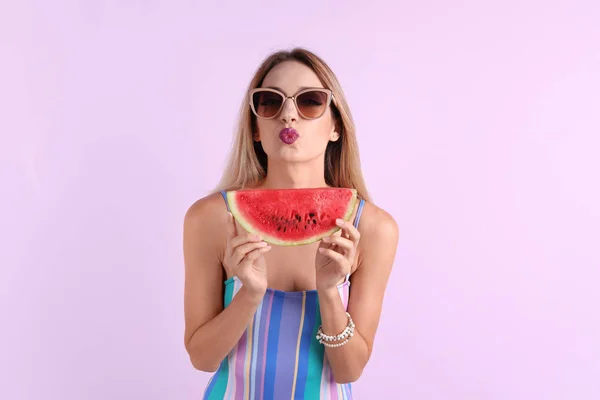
[266,103]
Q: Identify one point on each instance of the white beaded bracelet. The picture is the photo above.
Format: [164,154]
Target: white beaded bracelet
[334,344]
[344,336]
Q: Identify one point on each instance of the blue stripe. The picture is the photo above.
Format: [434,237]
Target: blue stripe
[356,219]
[224,194]
[218,384]
[312,388]
[259,341]
[213,380]
[305,342]
[286,353]
[271,367]
[359,212]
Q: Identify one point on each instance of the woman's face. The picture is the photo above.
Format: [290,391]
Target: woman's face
[312,135]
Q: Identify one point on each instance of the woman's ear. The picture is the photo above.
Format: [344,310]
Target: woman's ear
[334,135]
[256,137]
[336,132]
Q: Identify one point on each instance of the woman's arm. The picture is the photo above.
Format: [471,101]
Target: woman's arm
[377,251]
[210,331]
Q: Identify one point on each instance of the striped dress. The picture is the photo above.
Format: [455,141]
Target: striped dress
[278,356]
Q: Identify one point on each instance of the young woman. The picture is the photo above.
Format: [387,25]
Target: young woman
[275,322]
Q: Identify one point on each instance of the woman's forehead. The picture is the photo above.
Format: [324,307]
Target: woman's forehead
[290,77]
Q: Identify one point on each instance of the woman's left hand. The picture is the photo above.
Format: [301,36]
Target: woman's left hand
[336,255]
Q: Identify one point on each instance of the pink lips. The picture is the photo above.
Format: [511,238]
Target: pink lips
[288,135]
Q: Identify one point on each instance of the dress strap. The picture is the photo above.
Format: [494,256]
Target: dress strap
[356,221]
[224,194]
[359,212]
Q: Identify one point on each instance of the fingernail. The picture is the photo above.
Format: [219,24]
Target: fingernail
[339,222]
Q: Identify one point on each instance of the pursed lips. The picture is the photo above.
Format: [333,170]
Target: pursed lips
[288,135]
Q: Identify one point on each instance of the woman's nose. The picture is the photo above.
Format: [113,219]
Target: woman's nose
[289,112]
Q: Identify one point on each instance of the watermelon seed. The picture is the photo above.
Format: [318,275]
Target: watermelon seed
[284,229]
[311,215]
[314,220]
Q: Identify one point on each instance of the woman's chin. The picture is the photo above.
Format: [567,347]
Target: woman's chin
[287,155]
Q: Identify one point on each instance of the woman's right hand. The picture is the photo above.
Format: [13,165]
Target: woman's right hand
[244,258]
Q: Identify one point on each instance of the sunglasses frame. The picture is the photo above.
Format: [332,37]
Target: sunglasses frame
[329,93]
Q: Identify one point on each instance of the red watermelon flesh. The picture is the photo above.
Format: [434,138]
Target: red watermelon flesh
[292,217]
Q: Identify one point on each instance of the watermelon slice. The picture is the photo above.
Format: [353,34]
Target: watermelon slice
[291,217]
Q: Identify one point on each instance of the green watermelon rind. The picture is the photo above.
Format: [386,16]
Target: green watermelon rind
[233,207]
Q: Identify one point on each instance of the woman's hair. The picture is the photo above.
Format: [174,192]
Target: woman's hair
[247,161]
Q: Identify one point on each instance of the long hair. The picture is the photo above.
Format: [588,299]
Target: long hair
[247,161]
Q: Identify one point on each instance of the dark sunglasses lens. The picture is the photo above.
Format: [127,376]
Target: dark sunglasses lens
[266,103]
[312,104]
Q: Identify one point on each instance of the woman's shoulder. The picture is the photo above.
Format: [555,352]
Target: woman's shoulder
[208,213]
[377,228]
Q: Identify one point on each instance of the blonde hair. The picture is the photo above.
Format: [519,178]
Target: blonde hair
[247,162]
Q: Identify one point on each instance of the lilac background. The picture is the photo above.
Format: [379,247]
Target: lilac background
[479,128]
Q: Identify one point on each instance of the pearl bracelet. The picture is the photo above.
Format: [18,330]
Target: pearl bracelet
[344,336]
